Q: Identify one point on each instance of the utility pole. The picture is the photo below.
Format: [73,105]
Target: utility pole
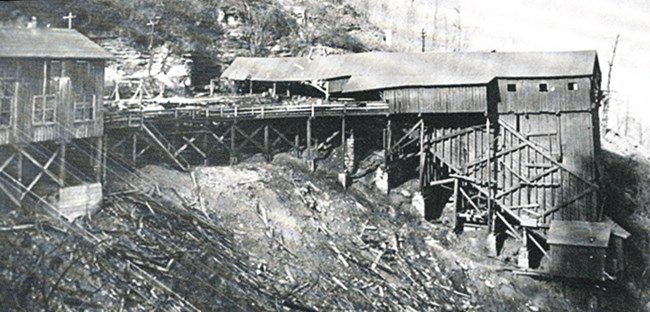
[69,17]
[153,21]
[424,36]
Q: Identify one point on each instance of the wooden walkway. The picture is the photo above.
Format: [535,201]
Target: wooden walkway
[130,118]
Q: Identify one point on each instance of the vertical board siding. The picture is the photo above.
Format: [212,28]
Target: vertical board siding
[461,99]
[30,84]
[528,99]
[578,143]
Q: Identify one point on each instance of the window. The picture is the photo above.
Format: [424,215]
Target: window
[54,74]
[511,87]
[44,109]
[84,91]
[6,101]
[5,110]
[84,107]
[543,87]
[572,86]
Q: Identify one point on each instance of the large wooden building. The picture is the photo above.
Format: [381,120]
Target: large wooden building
[551,97]
[517,133]
[51,91]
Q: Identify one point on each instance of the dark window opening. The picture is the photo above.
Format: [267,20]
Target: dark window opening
[44,109]
[5,110]
[512,87]
[572,86]
[84,91]
[543,87]
[6,101]
[84,107]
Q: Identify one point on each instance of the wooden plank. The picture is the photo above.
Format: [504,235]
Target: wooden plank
[509,226]
[568,202]
[28,189]
[163,148]
[37,164]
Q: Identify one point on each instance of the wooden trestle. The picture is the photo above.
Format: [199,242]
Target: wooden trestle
[26,167]
[495,175]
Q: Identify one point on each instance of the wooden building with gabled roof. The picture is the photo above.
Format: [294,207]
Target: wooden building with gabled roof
[516,132]
[551,97]
[51,93]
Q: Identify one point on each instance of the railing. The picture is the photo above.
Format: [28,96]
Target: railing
[134,117]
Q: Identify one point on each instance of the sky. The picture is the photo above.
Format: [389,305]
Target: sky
[536,25]
[556,25]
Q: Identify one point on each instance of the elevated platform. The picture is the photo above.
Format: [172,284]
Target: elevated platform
[222,109]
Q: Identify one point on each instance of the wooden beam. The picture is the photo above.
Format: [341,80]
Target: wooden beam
[163,147]
[38,176]
[457,207]
[37,164]
[536,243]
[568,202]
[284,138]
[249,138]
[443,181]
[509,226]
[7,192]
[267,144]
[190,142]
[63,173]
[220,139]
[406,135]
[309,156]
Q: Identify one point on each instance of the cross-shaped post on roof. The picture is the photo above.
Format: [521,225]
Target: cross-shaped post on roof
[69,17]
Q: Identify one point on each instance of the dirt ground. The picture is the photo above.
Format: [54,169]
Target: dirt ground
[325,248]
[274,236]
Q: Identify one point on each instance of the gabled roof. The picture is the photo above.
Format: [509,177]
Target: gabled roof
[18,42]
[383,70]
[579,233]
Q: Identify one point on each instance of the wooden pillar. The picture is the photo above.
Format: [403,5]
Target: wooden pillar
[488,133]
[134,150]
[104,159]
[296,143]
[205,148]
[423,159]
[97,160]
[309,156]
[250,87]
[343,143]
[19,166]
[62,164]
[233,145]
[457,199]
[267,144]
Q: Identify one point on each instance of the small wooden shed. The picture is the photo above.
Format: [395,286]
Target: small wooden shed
[591,250]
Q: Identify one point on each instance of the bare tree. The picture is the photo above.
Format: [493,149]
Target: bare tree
[607,97]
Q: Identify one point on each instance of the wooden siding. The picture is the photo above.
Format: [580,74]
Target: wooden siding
[527,176]
[569,137]
[529,99]
[461,99]
[579,143]
[578,262]
[337,85]
[31,82]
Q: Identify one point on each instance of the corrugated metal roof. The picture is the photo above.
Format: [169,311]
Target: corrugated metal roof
[48,43]
[579,233]
[382,70]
